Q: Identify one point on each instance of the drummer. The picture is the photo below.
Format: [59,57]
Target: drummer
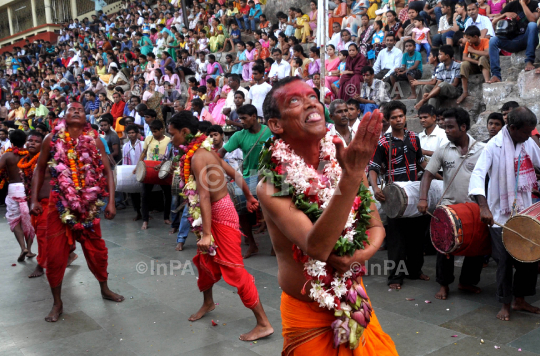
[456,176]
[405,237]
[512,147]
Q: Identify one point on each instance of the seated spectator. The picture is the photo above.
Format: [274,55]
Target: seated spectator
[448,84]
[445,34]
[475,59]
[482,22]
[495,8]
[351,77]
[411,67]
[433,59]
[525,38]
[432,11]
[388,59]
[373,92]
[421,36]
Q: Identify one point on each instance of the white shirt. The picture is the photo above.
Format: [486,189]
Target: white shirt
[132,153]
[138,119]
[482,22]
[489,162]
[434,140]
[388,60]
[229,102]
[257,94]
[282,70]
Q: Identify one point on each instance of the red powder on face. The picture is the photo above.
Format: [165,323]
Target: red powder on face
[296,88]
[442,231]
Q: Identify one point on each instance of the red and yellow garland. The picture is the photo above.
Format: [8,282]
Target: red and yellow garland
[27,167]
[190,149]
[4,177]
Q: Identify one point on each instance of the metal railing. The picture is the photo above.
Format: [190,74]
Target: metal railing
[61,10]
[40,12]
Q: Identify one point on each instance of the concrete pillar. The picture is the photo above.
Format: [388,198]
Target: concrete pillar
[11,31]
[34,16]
[48,11]
[73,9]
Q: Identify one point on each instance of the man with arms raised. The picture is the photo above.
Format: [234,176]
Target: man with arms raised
[511,148]
[296,118]
[80,178]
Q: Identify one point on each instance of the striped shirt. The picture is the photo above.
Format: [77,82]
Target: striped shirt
[406,154]
[448,75]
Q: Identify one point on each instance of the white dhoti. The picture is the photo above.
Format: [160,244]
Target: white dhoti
[17,210]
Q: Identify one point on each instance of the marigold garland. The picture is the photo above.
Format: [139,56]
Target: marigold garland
[27,167]
[4,176]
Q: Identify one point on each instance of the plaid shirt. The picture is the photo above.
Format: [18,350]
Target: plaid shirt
[448,75]
[406,155]
[375,92]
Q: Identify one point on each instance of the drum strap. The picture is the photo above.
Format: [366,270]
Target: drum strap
[247,155]
[455,174]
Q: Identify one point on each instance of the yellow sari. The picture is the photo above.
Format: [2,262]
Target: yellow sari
[302,33]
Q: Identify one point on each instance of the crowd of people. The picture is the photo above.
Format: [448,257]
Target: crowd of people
[144,86]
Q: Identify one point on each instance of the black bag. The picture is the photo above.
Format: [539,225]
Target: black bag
[507,28]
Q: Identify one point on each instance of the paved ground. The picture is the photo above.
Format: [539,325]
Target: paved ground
[153,318]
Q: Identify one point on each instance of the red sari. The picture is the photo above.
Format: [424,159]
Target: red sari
[348,82]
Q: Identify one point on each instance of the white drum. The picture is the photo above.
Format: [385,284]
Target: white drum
[402,198]
[126,181]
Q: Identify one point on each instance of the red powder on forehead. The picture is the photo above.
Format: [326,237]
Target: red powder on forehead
[295,88]
[442,232]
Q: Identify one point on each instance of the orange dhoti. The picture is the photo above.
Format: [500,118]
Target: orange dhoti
[307,331]
[61,242]
[40,226]
[228,260]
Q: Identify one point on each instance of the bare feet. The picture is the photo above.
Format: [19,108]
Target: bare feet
[138,217]
[494,79]
[174,230]
[419,104]
[423,277]
[167,222]
[412,97]
[72,257]
[469,288]
[144,225]
[504,313]
[521,304]
[206,308]
[529,66]
[395,286]
[261,228]
[257,333]
[37,272]
[537,71]
[30,255]
[55,313]
[22,255]
[397,97]
[252,250]
[462,98]
[110,295]
[180,246]
[442,294]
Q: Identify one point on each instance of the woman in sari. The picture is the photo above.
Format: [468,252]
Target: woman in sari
[118,79]
[192,83]
[101,69]
[365,32]
[314,66]
[166,61]
[352,77]
[408,27]
[217,114]
[152,99]
[173,45]
[313,18]
[331,65]
[240,56]
[172,78]
[217,36]
[303,29]
[145,44]
[261,52]
[213,68]
[247,64]
[338,14]
[212,94]
[151,67]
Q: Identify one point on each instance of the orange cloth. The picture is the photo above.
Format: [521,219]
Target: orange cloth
[340,11]
[60,243]
[40,226]
[307,331]
[482,46]
[228,261]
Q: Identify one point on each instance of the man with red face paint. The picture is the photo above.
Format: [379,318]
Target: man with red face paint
[296,117]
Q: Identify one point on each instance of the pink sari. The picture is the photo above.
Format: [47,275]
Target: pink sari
[246,68]
[212,96]
[213,70]
[331,65]
[219,118]
[313,17]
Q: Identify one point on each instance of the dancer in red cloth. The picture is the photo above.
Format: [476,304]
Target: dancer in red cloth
[80,179]
[215,221]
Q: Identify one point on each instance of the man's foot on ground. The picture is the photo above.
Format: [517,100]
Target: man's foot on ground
[110,295]
[30,255]
[55,313]
[504,313]
[22,255]
[180,246]
[397,97]
[251,251]
[412,97]
[72,257]
[206,308]
[138,217]
[521,305]
[469,288]
[537,71]
[173,231]
[424,277]
[442,294]
[257,333]
[494,79]
[419,104]
[529,66]
[37,272]
[144,225]
[394,286]
[167,222]
[262,228]
[462,98]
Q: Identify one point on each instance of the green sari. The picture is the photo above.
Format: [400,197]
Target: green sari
[216,42]
[146,45]
[172,50]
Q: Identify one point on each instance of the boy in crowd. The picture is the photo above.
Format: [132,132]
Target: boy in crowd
[411,67]
[475,59]
[432,137]
[132,150]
